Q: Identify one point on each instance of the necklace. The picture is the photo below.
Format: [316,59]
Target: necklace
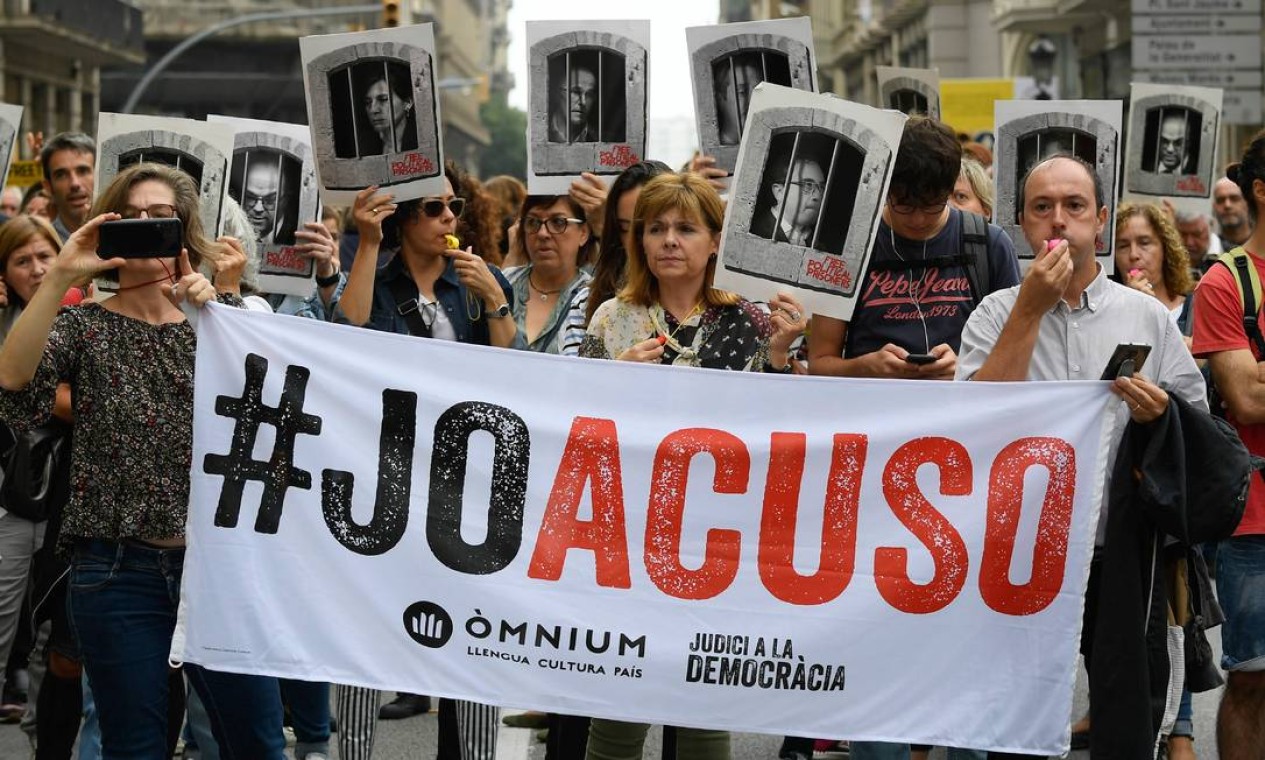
[544,294]
[669,338]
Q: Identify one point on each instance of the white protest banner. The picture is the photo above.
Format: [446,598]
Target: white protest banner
[793,555]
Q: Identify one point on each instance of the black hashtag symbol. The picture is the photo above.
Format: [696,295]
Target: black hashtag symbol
[278,473]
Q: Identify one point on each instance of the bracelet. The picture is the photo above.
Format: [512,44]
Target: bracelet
[325,282]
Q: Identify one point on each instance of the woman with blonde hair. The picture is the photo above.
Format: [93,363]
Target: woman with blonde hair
[669,296]
[973,190]
[668,292]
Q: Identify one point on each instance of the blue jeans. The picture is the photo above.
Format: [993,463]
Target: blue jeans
[90,731]
[1241,591]
[122,602]
[1185,723]
[309,715]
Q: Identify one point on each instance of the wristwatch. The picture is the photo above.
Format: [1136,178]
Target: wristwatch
[500,312]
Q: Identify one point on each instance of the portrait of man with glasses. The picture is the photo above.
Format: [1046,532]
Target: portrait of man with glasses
[265,184]
[806,174]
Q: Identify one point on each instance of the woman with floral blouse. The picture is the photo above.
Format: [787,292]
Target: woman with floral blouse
[129,364]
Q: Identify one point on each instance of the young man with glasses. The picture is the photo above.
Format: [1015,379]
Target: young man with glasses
[925,274]
[924,279]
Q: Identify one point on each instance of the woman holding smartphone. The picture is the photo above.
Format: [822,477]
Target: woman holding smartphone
[129,364]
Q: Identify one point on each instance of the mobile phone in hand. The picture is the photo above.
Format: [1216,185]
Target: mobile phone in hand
[1127,359]
[920,358]
[140,238]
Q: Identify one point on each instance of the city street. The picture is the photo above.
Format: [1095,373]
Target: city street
[414,738]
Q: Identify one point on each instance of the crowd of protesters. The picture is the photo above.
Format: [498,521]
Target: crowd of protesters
[89,592]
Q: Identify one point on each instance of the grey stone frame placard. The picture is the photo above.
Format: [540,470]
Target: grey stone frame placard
[309,191]
[390,168]
[602,158]
[1198,185]
[215,166]
[1107,142]
[8,132]
[785,262]
[798,58]
[896,84]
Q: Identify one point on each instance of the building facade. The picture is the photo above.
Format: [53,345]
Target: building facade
[254,70]
[52,53]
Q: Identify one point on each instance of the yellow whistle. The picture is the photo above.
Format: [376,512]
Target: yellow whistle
[452,242]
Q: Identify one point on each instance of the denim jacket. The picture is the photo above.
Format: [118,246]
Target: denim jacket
[450,294]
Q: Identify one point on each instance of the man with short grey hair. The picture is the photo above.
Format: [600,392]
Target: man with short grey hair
[1201,242]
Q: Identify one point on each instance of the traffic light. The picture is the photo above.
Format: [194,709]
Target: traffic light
[390,13]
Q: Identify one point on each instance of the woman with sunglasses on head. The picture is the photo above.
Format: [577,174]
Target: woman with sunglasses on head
[129,364]
[428,289]
[557,242]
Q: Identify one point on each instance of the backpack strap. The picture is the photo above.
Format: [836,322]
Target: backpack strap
[408,307]
[1248,281]
[975,248]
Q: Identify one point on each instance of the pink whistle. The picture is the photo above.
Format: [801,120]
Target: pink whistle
[1050,245]
[1135,272]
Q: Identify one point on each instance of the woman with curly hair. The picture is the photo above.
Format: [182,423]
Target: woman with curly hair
[480,226]
[1151,257]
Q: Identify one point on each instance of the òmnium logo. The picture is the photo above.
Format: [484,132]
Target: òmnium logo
[428,624]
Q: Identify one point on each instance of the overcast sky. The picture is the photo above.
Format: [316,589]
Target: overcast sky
[670,91]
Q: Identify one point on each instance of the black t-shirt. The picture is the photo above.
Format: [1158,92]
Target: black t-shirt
[941,302]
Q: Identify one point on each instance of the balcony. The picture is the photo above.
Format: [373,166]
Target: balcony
[1042,16]
[96,32]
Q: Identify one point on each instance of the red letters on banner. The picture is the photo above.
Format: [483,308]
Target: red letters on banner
[667,508]
[839,522]
[1005,497]
[933,529]
[591,458]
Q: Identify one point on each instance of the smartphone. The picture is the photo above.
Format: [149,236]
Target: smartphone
[920,358]
[141,238]
[1125,360]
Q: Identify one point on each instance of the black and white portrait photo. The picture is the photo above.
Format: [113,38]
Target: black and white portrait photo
[273,179]
[10,128]
[587,100]
[200,149]
[808,177]
[587,96]
[372,104]
[1172,144]
[734,77]
[728,61]
[374,111]
[1030,131]
[910,91]
[265,183]
[806,198]
[1170,140]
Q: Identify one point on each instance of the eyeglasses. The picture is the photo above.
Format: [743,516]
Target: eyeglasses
[268,201]
[904,209]
[433,207]
[154,211]
[555,224]
[810,187]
